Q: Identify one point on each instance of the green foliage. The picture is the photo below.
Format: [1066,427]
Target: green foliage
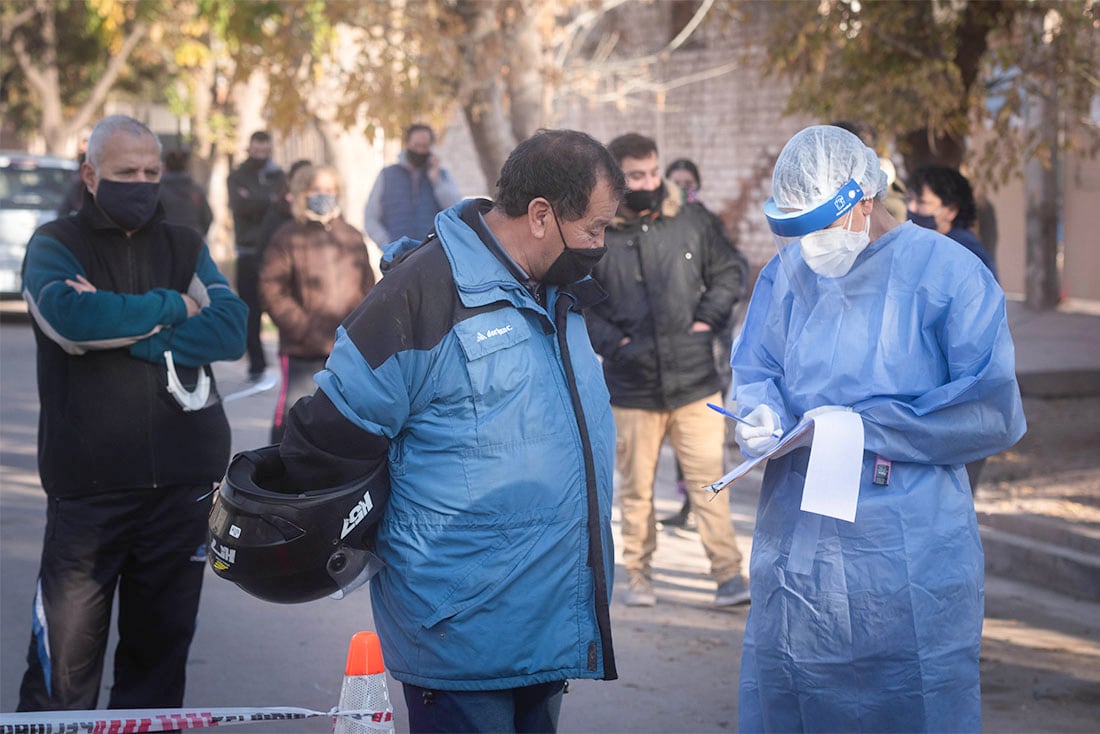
[369,62]
[921,71]
[69,45]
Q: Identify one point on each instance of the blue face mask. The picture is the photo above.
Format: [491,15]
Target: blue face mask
[922,220]
[321,204]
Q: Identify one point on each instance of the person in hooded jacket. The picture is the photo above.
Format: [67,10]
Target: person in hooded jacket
[874,624]
[315,271]
[684,173]
[672,279]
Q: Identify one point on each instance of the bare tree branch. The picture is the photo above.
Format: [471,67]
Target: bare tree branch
[11,24]
[108,78]
[34,75]
[687,30]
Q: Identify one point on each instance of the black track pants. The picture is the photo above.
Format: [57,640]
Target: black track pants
[150,545]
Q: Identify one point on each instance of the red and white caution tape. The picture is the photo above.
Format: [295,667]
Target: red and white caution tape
[135,721]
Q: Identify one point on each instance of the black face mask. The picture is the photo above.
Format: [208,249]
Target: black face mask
[572,264]
[129,204]
[417,160]
[254,164]
[645,199]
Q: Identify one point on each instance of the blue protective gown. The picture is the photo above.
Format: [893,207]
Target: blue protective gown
[875,625]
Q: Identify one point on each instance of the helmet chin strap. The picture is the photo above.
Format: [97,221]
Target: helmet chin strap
[188,400]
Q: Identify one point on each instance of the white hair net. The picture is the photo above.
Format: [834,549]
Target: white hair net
[817,162]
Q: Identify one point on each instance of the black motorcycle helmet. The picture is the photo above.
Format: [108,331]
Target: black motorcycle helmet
[288,545]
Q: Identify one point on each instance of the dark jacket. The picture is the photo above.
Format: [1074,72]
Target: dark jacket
[107,421]
[662,273]
[970,241]
[276,216]
[252,189]
[312,277]
[184,202]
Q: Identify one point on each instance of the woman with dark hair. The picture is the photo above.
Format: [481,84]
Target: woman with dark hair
[941,199]
[685,174]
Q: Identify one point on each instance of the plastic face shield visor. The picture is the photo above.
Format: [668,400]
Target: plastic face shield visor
[788,227]
[792,225]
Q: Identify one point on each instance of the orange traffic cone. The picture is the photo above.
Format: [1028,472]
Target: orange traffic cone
[364,689]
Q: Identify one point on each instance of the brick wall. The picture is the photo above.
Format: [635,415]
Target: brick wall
[731,125]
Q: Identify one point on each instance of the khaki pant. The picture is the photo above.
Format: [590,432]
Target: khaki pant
[697,434]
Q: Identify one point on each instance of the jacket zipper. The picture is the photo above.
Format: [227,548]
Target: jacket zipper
[595,547]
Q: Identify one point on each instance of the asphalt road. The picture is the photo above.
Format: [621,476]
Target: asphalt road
[678,661]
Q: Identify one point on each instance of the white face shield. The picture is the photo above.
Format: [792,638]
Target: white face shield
[820,176]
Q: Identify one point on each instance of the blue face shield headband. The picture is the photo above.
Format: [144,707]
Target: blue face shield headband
[796,224]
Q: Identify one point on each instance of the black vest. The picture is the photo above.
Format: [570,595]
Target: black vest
[107,421]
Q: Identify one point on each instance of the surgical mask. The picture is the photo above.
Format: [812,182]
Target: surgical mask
[321,204]
[831,252]
[645,199]
[189,400]
[417,160]
[572,264]
[129,204]
[928,221]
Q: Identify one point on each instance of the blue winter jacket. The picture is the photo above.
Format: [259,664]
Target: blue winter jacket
[497,539]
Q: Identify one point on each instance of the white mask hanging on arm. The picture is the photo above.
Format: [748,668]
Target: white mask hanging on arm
[189,400]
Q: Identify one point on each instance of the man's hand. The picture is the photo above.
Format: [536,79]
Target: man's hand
[193,306]
[80,284]
[698,326]
[433,169]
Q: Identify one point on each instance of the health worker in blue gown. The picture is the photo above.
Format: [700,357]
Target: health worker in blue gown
[871,625]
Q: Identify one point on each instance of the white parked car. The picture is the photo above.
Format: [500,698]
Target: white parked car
[33,189]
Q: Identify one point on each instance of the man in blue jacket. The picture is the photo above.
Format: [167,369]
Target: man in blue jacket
[469,369]
[128,311]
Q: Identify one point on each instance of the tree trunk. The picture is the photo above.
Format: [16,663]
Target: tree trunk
[526,83]
[489,129]
[1042,281]
[918,150]
[483,101]
[971,42]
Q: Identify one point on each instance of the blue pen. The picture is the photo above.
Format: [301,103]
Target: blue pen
[777,433]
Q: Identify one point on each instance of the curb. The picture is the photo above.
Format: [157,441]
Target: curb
[1041,552]
[1059,383]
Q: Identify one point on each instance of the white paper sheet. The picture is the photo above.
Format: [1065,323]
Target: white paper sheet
[800,435]
[836,462]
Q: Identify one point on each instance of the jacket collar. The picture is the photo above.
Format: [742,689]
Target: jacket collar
[479,272]
[484,272]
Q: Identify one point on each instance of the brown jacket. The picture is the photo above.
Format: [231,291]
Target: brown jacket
[312,276]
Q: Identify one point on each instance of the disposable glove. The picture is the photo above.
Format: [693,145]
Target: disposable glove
[825,409]
[759,437]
